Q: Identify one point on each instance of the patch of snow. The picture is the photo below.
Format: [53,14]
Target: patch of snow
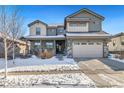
[86,34]
[112,57]
[57,36]
[52,80]
[37,64]
[119,60]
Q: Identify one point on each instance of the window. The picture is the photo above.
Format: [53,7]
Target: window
[37,44]
[122,42]
[83,43]
[60,30]
[49,44]
[81,24]
[73,24]
[77,43]
[53,30]
[113,43]
[90,43]
[38,30]
[98,43]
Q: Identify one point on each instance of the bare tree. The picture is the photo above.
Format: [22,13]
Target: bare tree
[4,31]
[16,21]
[10,30]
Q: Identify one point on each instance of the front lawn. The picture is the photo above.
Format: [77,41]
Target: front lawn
[70,80]
[36,64]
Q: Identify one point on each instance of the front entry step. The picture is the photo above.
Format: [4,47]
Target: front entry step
[59,56]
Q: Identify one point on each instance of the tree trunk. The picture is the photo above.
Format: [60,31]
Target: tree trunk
[13,53]
[5,49]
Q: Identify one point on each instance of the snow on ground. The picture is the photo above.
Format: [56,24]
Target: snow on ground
[112,56]
[37,64]
[119,60]
[49,80]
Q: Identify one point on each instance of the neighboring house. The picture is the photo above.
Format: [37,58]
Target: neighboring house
[116,44]
[81,35]
[21,47]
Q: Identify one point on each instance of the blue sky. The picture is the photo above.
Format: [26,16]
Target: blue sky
[113,23]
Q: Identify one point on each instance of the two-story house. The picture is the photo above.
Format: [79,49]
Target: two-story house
[116,44]
[81,35]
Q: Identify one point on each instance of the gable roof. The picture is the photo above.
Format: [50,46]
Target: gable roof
[87,10]
[117,35]
[36,21]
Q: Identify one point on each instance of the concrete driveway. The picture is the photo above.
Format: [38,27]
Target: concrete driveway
[104,72]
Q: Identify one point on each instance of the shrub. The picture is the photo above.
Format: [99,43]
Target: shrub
[45,54]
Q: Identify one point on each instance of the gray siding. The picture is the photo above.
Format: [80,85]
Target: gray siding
[43,28]
[60,31]
[55,31]
[94,23]
[51,32]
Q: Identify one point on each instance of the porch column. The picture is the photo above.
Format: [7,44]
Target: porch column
[40,44]
[54,47]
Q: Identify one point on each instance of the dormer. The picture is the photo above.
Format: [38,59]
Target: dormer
[37,28]
[84,20]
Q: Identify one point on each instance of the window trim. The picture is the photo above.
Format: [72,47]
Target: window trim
[90,43]
[49,45]
[98,43]
[38,33]
[78,24]
[83,43]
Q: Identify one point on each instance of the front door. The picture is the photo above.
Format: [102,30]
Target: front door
[60,46]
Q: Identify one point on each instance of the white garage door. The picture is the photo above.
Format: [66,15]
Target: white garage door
[87,49]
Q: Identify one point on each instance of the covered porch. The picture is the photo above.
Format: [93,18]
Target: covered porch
[52,44]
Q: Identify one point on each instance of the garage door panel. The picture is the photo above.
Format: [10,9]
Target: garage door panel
[87,50]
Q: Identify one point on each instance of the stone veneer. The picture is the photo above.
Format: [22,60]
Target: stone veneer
[105,49]
[69,48]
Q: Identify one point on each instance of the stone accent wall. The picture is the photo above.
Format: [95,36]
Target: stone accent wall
[105,49]
[69,48]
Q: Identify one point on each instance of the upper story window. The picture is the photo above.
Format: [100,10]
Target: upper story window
[122,42]
[53,30]
[60,30]
[82,24]
[73,24]
[114,43]
[78,24]
[38,30]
